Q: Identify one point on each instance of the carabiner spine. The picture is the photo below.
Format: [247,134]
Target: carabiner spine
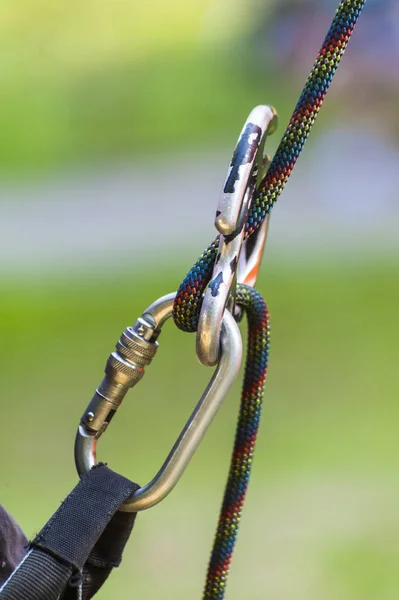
[112,390]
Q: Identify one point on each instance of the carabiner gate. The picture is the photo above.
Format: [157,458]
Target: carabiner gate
[231,215]
[124,368]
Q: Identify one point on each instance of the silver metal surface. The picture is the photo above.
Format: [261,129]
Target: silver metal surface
[247,168]
[230,213]
[159,311]
[252,252]
[124,368]
[195,428]
[252,247]
[216,296]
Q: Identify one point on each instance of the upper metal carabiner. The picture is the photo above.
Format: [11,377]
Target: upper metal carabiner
[244,172]
[125,367]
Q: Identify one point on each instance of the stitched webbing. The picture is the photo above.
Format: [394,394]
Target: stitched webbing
[79,545]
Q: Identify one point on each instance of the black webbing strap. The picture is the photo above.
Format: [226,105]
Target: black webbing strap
[77,549]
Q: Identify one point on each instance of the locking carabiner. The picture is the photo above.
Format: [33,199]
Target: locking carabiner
[246,169]
[125,367]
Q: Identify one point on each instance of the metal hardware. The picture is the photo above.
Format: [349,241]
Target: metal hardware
[252,248]
[124,368]
[246,167]
[230,213]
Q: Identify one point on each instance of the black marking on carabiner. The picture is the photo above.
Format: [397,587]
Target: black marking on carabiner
[233,264]
[243,154]
[250,243]
[229,238]
[215,284]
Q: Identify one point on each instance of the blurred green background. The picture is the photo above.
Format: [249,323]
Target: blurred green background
[97,80]
[91,84]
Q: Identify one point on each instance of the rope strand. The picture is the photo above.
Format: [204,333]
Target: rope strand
[244,445]
[188,300]
[305,112]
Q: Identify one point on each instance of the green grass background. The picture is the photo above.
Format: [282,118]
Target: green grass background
[96,80]
[93,82]
[321,518]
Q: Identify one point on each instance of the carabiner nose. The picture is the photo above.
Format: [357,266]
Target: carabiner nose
[231,216]
[136,348]
[233,203]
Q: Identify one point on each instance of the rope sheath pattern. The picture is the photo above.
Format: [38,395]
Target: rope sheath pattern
[244,445]
[305,112]
[188,300]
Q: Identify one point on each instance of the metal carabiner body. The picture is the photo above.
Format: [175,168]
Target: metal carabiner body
[125,367]
[231,216]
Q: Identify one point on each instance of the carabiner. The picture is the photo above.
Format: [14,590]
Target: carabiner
[124,368]
[231,216]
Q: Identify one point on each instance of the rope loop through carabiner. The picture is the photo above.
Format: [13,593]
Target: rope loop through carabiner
[229,265]
[231,216]
[189,297]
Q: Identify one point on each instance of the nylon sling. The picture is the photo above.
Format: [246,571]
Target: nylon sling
[80,545]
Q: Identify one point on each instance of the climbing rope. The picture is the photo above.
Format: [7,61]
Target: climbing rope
[79,546]
[188,301]
[189,296]
[244,446]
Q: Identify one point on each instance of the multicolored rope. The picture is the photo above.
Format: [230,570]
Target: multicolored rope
[244,445]
[189,296]
[306,110]
[188,300]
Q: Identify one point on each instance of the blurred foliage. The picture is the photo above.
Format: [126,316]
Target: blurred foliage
[321,515]
[100,80]
[84,81]
[97,80]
